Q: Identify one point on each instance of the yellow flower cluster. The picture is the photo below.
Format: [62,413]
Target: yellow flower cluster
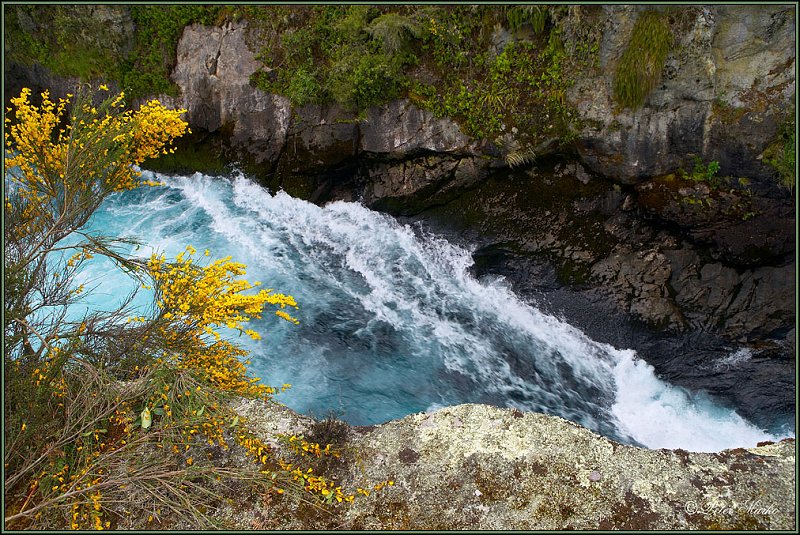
[196,300]
[305,448]
[79,155]
[211,296]
[156,126]
[89,515]
[319,485]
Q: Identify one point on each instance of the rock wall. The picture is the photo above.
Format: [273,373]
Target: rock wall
[310,148]
[731,71]
[213,72]
[482,467]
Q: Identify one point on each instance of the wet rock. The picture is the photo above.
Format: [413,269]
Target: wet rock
[741,228]
[639,281]
[320,138]
[408,186]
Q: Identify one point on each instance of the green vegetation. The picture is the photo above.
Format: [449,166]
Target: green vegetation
[501,71]
[146,69]
[782,154]
[64,39]
[497,70]
[639,69]
[351,55]
[702,172]
[101,42]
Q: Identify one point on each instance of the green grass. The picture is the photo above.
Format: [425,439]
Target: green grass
[639,69]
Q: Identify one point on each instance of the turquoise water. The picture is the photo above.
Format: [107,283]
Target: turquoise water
[392,322]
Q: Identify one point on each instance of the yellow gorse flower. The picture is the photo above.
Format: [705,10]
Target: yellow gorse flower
[45,154]
[196,301]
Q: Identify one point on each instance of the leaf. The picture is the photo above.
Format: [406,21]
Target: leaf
[159,411]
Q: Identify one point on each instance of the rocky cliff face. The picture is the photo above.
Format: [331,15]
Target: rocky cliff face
[481,467]
[213,70]
[731,71]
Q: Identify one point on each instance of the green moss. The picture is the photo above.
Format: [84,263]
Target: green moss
[703,172]
[639,69]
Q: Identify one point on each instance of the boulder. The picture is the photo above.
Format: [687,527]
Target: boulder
[402,129]
[483,467]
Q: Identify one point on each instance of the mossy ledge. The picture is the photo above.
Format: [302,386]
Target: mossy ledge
[482,467]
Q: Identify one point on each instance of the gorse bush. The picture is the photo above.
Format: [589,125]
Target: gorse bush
[639,69]
[115,418]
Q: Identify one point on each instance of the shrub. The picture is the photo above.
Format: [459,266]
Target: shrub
[115,418]
[703,172]
[394,32]
[782,154]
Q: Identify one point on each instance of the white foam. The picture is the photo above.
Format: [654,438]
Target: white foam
[733,359]
[660,415]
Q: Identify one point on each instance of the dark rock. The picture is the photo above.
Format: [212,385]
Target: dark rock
[408,186]
[401,129]
[741,228]
[319,138]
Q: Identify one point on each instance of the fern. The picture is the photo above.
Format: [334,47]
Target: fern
[394,31]
[520,157]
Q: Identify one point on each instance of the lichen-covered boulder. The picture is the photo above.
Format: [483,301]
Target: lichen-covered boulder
[482,467]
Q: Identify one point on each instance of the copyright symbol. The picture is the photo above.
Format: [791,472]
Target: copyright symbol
[690,507]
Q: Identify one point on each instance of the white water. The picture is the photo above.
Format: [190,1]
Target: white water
[393,323]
